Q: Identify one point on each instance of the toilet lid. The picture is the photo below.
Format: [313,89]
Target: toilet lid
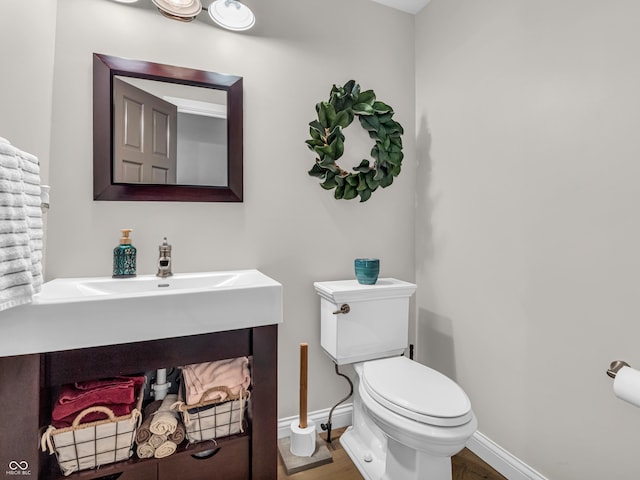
[416,391]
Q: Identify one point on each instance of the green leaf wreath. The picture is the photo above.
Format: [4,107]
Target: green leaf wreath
[327,141]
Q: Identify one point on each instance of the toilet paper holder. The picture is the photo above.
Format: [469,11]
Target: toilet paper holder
[615,367]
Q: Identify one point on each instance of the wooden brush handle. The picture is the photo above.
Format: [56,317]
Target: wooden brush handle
[304,347]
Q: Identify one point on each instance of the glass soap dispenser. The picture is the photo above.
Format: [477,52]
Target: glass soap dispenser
[124,257]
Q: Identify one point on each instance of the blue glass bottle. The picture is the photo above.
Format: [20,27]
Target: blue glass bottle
[124,257]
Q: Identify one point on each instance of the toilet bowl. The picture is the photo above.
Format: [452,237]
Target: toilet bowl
[408,419]
[417,417]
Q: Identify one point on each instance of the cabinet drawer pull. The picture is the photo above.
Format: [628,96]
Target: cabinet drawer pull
[206,454]
[113,476]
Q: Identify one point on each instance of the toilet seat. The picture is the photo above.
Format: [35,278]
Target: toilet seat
[416,391]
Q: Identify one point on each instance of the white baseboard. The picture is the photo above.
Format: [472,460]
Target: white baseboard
[503,461]
[490,452]
[341,418]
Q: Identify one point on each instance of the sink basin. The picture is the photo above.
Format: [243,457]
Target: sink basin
[155,285]
[103,288]
[86,312]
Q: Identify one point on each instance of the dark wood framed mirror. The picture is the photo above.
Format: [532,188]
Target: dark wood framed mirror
[113,181]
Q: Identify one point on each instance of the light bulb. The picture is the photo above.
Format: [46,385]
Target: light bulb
[232,15]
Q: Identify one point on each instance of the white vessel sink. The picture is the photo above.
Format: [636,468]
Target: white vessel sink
[86,312]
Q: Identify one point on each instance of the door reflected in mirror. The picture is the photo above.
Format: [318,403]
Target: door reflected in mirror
[163,132]
[169,134]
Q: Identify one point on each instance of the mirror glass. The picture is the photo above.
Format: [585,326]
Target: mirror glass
[185,128]
[163,132]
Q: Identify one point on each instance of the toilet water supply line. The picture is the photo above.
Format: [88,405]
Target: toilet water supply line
[327,426]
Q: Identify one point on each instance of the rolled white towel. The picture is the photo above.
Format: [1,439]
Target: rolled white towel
[145,450]
[165,420]
[166,449]
[156,440]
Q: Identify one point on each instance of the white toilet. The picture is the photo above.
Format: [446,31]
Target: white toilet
[408,419]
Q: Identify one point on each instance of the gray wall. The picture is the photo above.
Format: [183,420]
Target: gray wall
[26,78]
[288,226]
[527,223]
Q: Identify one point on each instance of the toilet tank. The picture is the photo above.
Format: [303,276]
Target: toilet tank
[377,322]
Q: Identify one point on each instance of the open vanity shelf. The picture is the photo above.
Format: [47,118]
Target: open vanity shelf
[231,460]
[29,382]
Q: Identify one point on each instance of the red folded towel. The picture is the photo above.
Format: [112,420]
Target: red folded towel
[106,382]
[114,390]
[112,393]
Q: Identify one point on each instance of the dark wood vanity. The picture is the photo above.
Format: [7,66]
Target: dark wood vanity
[28,384]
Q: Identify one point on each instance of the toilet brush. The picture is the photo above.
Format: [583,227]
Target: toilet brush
[303,432]
[300,450]
[304,369]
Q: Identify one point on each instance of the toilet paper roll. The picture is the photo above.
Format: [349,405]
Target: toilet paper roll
[626,385]
[303,440]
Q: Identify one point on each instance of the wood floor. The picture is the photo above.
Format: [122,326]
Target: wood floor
[466,466]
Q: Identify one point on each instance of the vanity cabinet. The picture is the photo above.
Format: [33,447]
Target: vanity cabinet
[28,385]
[230,462]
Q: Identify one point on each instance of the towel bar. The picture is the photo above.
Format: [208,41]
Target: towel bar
[44,197]
[615,367]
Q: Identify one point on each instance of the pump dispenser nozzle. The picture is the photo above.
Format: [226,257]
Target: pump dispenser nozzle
[125,240]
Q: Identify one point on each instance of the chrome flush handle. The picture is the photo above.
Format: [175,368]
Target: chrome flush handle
[344,308]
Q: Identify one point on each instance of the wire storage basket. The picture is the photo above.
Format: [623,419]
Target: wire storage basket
[211,419]
[91,445]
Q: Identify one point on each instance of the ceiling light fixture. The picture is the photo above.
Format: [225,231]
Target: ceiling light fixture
[232,15]
[183,10]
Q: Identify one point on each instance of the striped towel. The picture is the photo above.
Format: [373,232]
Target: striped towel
[21,227]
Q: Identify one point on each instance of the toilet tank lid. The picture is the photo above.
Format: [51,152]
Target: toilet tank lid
[340,291]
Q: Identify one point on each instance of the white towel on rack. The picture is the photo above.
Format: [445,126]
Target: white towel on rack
[21,226]
[33,208]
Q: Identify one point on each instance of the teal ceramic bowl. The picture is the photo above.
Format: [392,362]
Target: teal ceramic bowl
[367,270]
